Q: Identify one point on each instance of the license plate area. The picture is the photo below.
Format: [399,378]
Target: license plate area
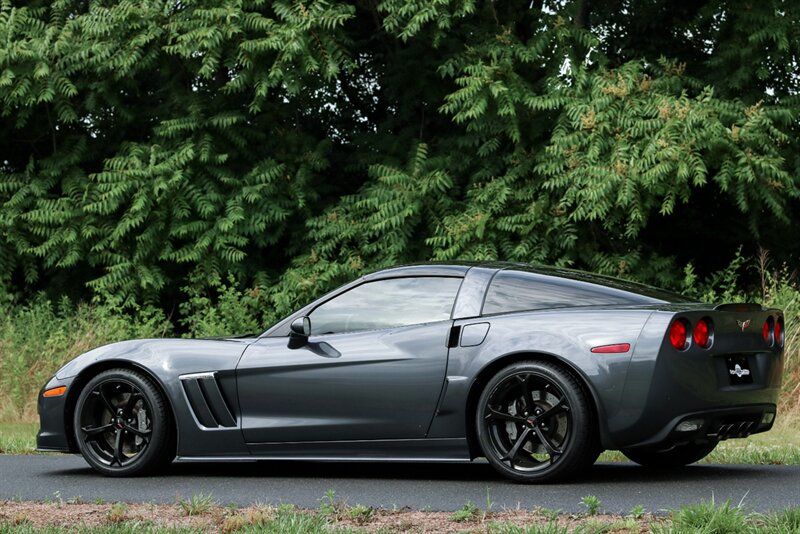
[738,369]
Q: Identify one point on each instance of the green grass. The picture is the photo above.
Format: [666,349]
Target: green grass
[18,438]
[592,504]
[708,517]
[779,446]
[468,512]
[197,504]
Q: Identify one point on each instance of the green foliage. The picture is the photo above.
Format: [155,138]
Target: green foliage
[165,162]
[179,155]
[551,527]
[328,505]
[229,312]
[629,146]
[592,504]
[37,338]
[707,517]
[197,504]
[787,520]
[637,511]
[719,286]
[360,514]
[468,512]
[18,438]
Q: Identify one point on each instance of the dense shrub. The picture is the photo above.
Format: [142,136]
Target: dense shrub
[150,146]
[38,337]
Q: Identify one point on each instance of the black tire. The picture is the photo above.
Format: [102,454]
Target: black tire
[678,456]
[534,423]
[123,425]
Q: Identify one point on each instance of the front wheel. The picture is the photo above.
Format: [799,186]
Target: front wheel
[534,423]
[122,424]
[677,456]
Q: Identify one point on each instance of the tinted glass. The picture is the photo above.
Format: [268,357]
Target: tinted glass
[517,291]
[386,304]
[656,294]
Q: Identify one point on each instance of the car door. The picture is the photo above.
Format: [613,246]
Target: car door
[373,367]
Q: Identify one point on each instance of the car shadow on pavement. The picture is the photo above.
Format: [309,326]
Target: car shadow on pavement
[611,472]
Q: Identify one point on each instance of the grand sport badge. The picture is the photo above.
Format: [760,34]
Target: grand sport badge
[739,372]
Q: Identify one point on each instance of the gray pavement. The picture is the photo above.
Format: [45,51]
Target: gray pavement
[619,486]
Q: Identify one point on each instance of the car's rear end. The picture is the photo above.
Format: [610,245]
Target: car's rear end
[716,375]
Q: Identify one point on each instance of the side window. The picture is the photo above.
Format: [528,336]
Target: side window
[516,291]
[386,304]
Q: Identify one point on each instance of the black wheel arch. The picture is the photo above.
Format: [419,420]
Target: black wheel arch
[492,367]
[95,369]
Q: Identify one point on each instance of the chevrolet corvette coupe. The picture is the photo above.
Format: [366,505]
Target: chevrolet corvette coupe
[537,369]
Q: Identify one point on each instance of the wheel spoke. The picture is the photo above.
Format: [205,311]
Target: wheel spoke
[496,414]
[110,407]
[552,451]
[523,437]
[557,408]
[136,431]
[94,432]
[117,449]
[526,393]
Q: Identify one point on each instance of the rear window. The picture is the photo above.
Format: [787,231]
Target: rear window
[518,291]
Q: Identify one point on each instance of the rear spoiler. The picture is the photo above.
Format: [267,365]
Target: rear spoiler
[742,307]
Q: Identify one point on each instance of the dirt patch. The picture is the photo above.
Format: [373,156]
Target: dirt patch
[65,514]
[227,519]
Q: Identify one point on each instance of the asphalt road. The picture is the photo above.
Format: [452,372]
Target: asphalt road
[620,487]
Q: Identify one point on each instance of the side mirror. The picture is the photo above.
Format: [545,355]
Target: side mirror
[301,326]
[300,330]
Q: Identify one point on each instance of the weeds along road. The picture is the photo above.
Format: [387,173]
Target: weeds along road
[619,486]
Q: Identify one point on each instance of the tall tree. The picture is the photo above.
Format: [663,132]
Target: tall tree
[151,145]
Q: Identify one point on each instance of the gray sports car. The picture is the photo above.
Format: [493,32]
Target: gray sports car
[536,369]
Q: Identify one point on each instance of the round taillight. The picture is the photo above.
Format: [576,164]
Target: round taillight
[767,331]
[702,333]
[677,335]
[779,332]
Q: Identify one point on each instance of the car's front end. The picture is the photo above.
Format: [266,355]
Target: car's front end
[51,404]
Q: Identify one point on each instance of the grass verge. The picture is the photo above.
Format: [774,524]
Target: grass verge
[779,446]
[18,438]
[333,516]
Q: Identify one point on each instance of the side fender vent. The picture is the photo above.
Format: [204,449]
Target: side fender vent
[206,400]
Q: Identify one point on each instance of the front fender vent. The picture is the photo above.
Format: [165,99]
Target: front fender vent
[206,400]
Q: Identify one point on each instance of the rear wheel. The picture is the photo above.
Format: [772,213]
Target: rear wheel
[122,424]
[534,423]
[678,456]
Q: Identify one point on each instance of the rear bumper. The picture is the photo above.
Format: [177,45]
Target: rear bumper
[52,436]
[665,387]
[713,425]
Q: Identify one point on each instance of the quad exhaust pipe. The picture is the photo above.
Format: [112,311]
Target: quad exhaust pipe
[740,429]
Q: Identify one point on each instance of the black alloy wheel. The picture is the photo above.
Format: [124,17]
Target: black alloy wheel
[534,423]
[122,425]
